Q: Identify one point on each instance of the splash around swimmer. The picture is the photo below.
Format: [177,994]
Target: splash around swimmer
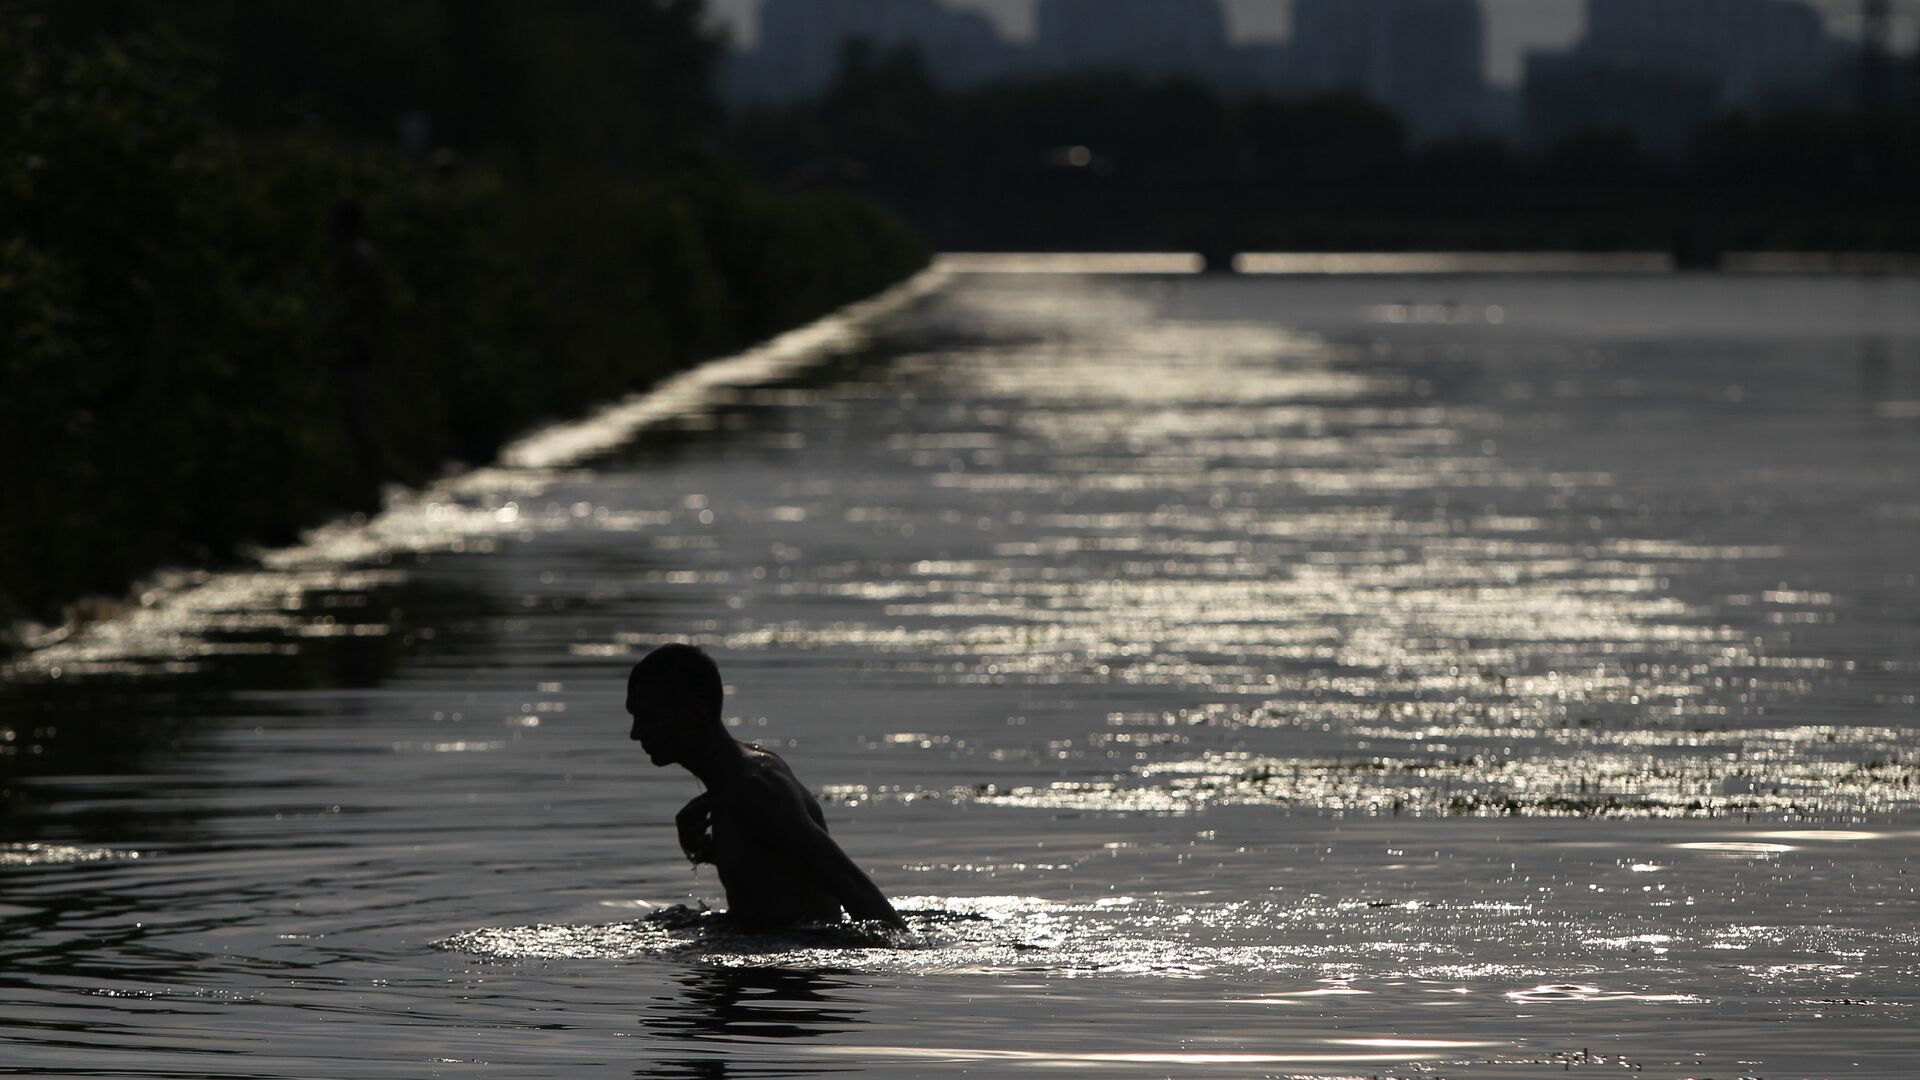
[755,822]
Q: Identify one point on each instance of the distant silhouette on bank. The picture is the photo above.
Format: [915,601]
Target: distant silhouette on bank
[755,822]
[362,318]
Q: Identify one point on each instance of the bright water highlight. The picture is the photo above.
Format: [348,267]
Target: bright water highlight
[1480,676]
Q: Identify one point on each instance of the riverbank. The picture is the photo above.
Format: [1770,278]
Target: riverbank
[175,619]
[217,339]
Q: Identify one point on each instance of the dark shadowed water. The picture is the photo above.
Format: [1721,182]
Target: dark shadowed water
[1506,675]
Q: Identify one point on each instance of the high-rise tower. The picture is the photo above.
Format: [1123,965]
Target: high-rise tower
[1424,58]
[1155,37]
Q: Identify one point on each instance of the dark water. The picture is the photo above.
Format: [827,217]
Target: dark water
[1477,676]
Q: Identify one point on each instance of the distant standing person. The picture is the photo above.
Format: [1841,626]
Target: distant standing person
[362,313]
[754,822]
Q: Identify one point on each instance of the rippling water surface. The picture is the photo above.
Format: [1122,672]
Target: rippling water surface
[1477,676]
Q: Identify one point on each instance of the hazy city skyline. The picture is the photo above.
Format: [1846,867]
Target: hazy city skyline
[1513,26]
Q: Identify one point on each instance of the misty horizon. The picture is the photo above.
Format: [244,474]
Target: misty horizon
[1514,27]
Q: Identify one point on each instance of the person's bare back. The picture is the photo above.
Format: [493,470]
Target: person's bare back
[739,830]
[755,823]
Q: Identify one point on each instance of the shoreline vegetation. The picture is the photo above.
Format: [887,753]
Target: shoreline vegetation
[232,310]
[259,259]
[1117,161]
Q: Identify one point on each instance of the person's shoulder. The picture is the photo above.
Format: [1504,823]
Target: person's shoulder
[766,779]
[763,763]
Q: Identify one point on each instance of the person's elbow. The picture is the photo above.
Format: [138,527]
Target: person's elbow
[864,900]
[877,910]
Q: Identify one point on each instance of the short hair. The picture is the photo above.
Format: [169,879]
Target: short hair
[682,670]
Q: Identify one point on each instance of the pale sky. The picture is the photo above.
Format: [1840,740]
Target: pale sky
[1514,25]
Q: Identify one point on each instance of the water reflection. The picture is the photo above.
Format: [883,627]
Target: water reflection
[1454,262]
[74,749]
[1190,643]
[733,1005]
[721,1067]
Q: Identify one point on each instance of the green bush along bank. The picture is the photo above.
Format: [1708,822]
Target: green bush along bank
[174,313]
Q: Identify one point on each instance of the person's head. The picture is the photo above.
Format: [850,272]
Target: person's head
[674,696]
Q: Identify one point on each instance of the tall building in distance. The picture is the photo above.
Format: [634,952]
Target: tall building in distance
[1423,58]
[1661,68]
[800,42]
[1426,59]
[1153,37]
[1747,47]
[1656,68]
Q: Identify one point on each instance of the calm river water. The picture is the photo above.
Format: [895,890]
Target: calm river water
[1472,675]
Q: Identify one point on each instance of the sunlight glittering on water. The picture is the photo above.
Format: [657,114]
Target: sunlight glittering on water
[58,854]
[1300,538]
[178,618]
[1353,682]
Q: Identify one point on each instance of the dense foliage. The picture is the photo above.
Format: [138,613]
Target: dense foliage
[170,297]
[1173,163]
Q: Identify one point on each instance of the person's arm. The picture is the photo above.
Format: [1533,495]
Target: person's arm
[694,823]
[850,884]
[805,850]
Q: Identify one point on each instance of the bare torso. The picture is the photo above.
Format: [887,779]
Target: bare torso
[762,887]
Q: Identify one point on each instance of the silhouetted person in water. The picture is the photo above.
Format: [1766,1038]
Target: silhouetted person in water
[362,316]
[755,823]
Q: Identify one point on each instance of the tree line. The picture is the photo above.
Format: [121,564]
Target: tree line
[1110,159]
[534,195]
